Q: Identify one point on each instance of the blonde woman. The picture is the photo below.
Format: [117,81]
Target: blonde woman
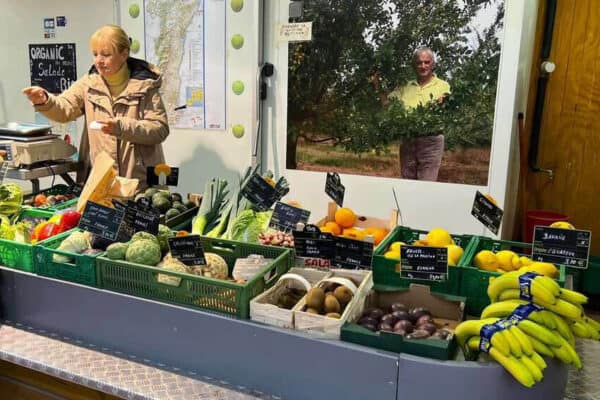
[124,113]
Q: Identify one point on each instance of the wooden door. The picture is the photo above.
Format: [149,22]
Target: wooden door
[570,130]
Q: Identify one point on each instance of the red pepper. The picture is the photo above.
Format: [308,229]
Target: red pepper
[69,220]
[47,231]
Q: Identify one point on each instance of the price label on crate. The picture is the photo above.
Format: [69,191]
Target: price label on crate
[259,192]
[314,245]
[487,212]
[286,217]
[569,247]
[187,249]
[334,188]
[101,220]
[350,253]
[141,219]
[424,262]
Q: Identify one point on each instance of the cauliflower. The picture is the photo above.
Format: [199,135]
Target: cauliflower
[171,264]
[116,251]
[76,242]
[143,251]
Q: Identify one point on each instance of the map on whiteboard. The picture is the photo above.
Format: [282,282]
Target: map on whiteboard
[194,95]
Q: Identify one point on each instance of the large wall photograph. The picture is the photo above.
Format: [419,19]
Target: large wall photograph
[396,88]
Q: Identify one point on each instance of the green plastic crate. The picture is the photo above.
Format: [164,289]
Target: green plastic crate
[20,255]
[198,291]
[475,281]
[590,280]
[56,189]
[81,269]
[386,277]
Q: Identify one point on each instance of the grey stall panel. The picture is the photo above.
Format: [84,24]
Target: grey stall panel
[273,361]
[421,378]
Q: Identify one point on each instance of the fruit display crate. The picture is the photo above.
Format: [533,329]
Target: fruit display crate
[446,310]
[54,190]
[474,281]
[20,255]
[386,275]
[78,268]
[590,277]
[198,291]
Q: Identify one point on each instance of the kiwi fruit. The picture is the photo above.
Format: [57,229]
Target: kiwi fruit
[315,298]
[332,305]
[312,310]
[333,315]
[343,294]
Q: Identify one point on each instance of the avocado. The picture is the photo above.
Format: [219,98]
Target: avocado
[172,213]
[176,197]
[189,204]
[150,192]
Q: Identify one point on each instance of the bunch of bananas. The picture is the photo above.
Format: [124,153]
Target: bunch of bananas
[530,316]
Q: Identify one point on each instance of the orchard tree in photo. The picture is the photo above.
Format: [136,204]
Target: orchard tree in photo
[362,50]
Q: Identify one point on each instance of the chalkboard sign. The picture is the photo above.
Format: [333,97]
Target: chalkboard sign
[259,192]
[350,253]
[487,212]
[53,66]
[286,217]
[568,247]
[424,262]
[172,178]
[101,220]
[314,244]
[140,219]
[187,249]
[334,188]
[75,190]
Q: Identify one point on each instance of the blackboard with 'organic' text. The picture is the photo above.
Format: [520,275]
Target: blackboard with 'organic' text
[53,66]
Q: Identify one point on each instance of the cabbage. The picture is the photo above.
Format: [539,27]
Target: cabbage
[11,198]
[249,224]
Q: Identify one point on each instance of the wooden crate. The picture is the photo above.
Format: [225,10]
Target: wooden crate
[326,327]
[361,220]
[263,308]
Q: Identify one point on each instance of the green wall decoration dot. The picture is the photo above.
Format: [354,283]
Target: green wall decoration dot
[237,5]
[237,130]
[134,10]
[135,46]
[237,41]
[238,87]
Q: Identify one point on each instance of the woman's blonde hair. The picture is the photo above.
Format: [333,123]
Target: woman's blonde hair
[111,35]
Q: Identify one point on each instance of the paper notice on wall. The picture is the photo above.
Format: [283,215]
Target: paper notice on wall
[295,32]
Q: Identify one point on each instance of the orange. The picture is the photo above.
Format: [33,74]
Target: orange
[345,217]
[326,229]
[354,233]
[378,234]
[335,228]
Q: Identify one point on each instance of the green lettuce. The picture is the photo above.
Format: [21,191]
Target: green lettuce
[11,198]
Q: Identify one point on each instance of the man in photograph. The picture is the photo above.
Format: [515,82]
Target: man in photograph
[421,157]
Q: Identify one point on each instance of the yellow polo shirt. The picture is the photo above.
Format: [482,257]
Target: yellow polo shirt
[413,94]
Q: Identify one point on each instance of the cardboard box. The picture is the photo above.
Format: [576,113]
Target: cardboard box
[447,312]
[263,308]
[329,328]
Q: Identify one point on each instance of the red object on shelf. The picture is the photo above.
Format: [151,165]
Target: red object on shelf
[540,217]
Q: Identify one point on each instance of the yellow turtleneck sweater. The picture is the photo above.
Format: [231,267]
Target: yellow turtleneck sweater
[118,82]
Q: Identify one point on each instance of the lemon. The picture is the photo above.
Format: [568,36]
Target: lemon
[543,268]
[438,237]
[393,255]
[525,260]
[562,225]
[508,260]
[486,260]
[454,254]
[396,246]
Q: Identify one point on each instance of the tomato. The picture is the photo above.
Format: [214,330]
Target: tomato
[39,200]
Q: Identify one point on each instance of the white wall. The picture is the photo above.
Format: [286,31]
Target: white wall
[423,204]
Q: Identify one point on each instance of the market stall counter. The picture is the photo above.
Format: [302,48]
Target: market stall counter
[283,364]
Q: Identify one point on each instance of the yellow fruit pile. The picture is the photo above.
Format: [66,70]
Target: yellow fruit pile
[507,260]
[437,237]
[343,225]
[530,317]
